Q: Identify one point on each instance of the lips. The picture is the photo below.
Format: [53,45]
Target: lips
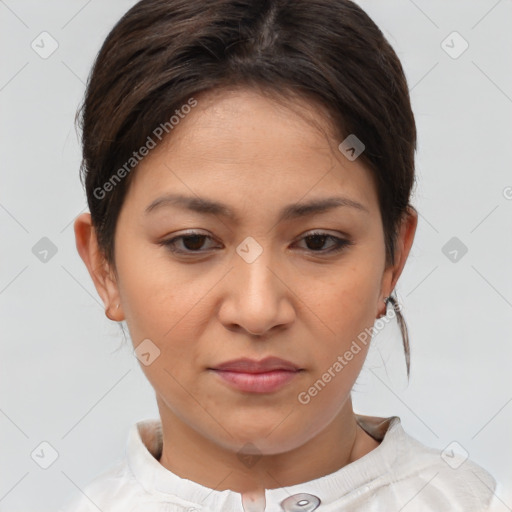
[251,376]
[246,365]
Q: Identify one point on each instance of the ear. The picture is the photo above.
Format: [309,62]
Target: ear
[402,249]
[100,271]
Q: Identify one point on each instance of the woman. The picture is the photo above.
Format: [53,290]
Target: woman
[248,168]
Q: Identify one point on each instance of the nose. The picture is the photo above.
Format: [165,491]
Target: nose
[256,294]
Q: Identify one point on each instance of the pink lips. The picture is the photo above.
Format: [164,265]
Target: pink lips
[249,375]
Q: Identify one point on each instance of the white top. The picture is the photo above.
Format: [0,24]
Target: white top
[401,474]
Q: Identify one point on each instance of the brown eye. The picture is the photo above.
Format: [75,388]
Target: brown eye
[317,240]
[193,243]
[187,244]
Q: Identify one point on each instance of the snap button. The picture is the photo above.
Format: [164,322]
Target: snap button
[302,502]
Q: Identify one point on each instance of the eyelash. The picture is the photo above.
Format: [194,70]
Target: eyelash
[340,243]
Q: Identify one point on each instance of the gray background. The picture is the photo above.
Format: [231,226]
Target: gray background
[62,378]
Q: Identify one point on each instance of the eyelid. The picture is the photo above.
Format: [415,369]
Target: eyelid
[341,242]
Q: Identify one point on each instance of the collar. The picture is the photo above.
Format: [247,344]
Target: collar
[145,443]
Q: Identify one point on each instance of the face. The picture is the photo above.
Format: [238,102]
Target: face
[249,281]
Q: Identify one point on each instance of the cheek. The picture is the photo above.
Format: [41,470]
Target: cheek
[345,311]
[156,294]
[167,304]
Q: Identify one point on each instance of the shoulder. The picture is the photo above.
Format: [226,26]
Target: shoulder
[113,490]
[126,483]
[434,479]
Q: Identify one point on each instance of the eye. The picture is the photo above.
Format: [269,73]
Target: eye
[191,242]
[316,240]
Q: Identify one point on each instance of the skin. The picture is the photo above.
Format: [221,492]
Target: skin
[296,300]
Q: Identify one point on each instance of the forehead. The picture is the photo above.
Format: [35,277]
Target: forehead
[242,145]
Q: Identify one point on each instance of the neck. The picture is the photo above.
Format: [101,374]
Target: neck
[197,457]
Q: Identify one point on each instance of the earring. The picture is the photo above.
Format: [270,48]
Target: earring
[385,300]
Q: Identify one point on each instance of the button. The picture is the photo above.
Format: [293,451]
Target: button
[302,502]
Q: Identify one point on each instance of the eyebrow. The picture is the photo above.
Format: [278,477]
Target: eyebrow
[292,211]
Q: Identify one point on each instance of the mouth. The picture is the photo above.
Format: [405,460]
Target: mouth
[260,382]
[252,376]
[247,365]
